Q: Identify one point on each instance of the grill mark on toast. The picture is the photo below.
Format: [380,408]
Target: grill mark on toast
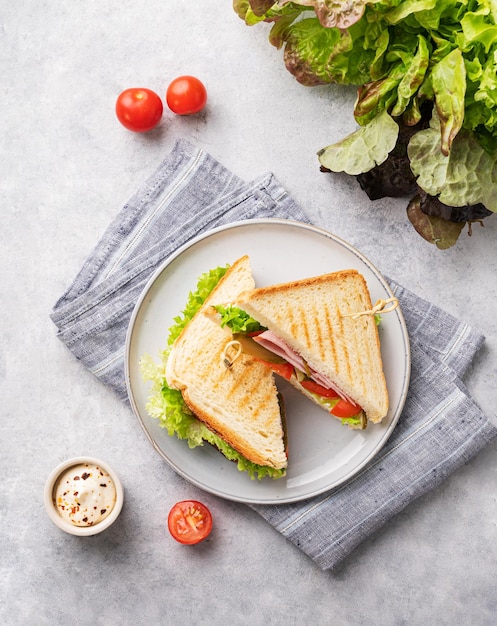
[247,385]
[329,346]
[362,346]
[293,323]
[371,378]
[319,340]
[370,359]
[306,329]
[255,391]
[346,353]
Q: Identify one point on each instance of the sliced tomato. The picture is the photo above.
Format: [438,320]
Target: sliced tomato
[189,522]
[345,409]
[285,369]
[315,387]
[341,409]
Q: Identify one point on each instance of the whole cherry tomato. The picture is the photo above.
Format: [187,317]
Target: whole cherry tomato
[139,109]
[186,95]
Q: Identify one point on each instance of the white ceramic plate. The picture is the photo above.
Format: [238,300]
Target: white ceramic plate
[322,453]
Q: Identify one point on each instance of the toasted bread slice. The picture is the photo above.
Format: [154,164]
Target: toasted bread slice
[313,317]
[237,399]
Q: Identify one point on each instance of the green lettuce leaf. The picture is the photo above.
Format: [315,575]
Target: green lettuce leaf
[205,285]
[333,13]
[251,12]
[316,55]
[466,176]
[401,12]
[255,11]
[354,422]
[413,77]
[366,147]
[449,86]
[260,7]
[478,27]
[237,320]
[308,50]
[377,96]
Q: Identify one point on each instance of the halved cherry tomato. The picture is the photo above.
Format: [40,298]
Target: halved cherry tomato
[189,522]
[186,95]
[314,387]
[139,109]
[345,409]
[285,370]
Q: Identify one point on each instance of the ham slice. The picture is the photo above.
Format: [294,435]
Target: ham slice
[275,344]
[272,342]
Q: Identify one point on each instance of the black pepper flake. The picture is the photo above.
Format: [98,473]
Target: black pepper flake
[85,519]
[102,511]
[85,475]
[103,484]
[75,493]
[77,478]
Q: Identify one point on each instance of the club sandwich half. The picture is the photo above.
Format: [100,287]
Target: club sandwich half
[321,335]
[235,398]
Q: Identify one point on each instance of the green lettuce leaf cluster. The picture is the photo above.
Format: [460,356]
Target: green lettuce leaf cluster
[167,405]
[412,60]
[237,320]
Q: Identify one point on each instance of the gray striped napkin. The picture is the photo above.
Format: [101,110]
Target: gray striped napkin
[440,428]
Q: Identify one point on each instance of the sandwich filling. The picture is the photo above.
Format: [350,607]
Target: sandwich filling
[275,344]
[266,346]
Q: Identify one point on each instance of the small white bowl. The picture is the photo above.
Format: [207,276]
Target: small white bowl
[51,507]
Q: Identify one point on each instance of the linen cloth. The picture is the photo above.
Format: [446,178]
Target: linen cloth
[441,427]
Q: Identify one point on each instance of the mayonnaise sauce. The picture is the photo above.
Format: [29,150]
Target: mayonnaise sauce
[84,495]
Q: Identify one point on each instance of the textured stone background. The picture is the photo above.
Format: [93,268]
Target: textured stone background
[67,168]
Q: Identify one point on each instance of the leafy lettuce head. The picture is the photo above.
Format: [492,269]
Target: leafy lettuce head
[413,61]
